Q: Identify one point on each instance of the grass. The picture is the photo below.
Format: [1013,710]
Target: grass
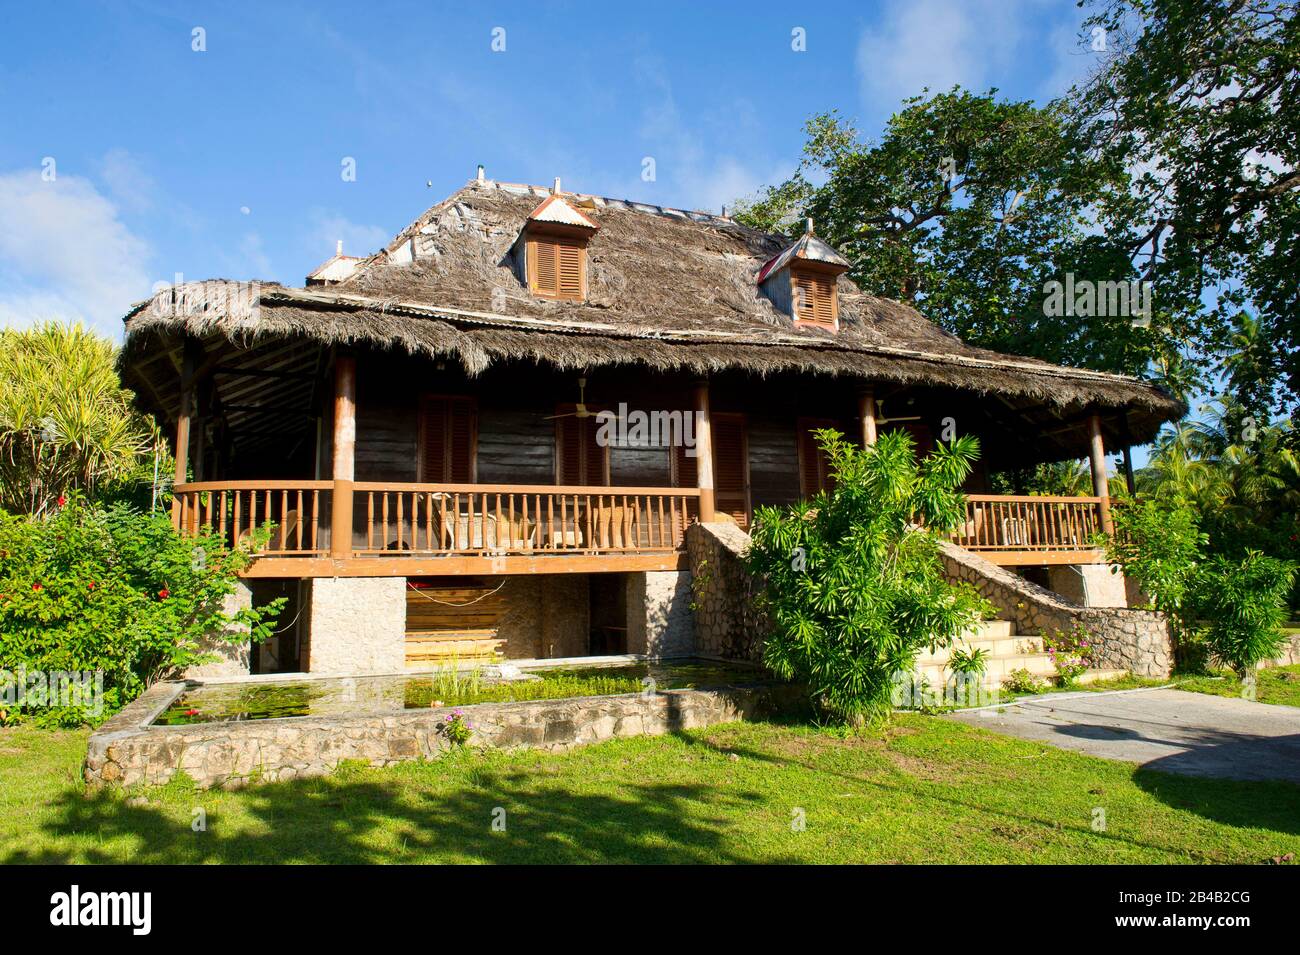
[1278,685]
[926,790]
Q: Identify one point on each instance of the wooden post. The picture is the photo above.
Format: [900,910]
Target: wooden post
[1128,459]
[704,452]
[345,441]
[867,414]
[183,418]
[1097,457]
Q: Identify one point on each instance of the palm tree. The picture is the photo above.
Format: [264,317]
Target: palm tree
[66,422]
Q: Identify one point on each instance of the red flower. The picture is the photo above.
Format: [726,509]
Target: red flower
[164,594]
[92,585]
[62,500]
[191,712]
[37,587]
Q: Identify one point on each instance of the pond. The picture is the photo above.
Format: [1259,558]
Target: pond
[369,695]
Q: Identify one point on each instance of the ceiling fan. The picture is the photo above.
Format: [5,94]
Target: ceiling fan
[580,409]
[881,419]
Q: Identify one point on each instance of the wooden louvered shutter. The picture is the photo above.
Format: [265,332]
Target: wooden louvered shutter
[685,468]
[448,439]
[731,466]
[569,284]
[544,269]
[814,466]
[579,458]
[814,297]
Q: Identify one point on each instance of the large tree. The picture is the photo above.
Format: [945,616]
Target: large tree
[967,207]
[1201,100]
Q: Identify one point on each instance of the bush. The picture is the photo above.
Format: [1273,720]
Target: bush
[1072,654]
[852,581]
[1243,604]
[111,590]
[1158,543]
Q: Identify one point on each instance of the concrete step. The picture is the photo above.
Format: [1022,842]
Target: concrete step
[991,629]
[996,667]
[999,646]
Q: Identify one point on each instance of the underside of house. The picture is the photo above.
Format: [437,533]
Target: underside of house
[526,426]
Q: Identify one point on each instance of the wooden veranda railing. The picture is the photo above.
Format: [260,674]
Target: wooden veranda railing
[294,518]
[1030,523]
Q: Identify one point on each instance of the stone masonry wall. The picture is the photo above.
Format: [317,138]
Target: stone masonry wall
[1132,640]
[126,751]
[358,625]
[659,619]
[726,624]
[232,658]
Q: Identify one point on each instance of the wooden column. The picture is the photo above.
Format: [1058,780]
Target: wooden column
[867,414]
[704,451]
[345,442]
[1097,457]
[183,419]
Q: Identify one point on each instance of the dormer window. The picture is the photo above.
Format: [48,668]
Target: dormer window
[554,260]
[800,281]
[815,300]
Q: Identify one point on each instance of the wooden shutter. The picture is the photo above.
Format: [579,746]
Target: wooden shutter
[579,459]
[556,268]
[685,467]
[814,298]
[570,272]
[448,439]
[731,466]
[814,466]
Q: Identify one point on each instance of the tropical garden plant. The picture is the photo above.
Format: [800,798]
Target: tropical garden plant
[110,590]
[852,580]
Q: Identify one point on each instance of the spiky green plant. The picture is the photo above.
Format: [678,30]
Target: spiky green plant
[66,422]
[853,581]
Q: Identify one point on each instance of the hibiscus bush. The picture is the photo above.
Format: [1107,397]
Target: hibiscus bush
[110,590]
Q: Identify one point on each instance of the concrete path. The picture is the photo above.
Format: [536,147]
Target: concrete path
[1170,730]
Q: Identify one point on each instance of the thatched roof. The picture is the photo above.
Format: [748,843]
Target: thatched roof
[667,289]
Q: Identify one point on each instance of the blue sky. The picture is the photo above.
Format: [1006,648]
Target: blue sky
[228,162]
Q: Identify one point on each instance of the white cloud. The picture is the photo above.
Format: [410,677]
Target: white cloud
[938,44]
[127,182]
[327,228]
[65,253]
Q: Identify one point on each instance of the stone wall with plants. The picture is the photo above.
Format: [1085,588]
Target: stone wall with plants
[1133,640]
[726,624]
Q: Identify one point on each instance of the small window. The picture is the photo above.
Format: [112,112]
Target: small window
[557,269]
[580,459]
[815,300]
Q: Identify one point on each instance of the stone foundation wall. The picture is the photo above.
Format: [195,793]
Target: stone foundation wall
[659,618]
[233,658]
[726,624]
[125,751]
[357,625]
[546,616]
[1132,640]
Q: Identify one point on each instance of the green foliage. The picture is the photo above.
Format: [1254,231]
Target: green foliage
[1158,543]
[1244,605]
[967,206]
[1021,681]
[109,589]
[852,580]
[66,422]
[1201,97]
[457,729]
[1072,654]
[968,662]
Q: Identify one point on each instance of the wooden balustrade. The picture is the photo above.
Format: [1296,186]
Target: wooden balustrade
[440,519]
[289,512]
[1029,523]
[493,519]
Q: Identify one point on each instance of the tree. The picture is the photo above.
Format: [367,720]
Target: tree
[1201,98]
[967,208]
[852,580]
[66,422]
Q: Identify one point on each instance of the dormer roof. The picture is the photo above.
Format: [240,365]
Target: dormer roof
[807,248]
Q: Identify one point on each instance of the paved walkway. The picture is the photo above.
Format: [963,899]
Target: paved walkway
[1170,730]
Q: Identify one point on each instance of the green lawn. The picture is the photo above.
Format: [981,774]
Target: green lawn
[1279,685]
[929,790]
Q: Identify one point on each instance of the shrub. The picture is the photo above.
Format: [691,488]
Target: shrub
[969,663]
[852,581]
[1071,654]
[1243,604]
[1158,543]
[1021,681]
[113,591]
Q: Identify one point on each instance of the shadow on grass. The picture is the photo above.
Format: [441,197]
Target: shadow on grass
[338,819]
